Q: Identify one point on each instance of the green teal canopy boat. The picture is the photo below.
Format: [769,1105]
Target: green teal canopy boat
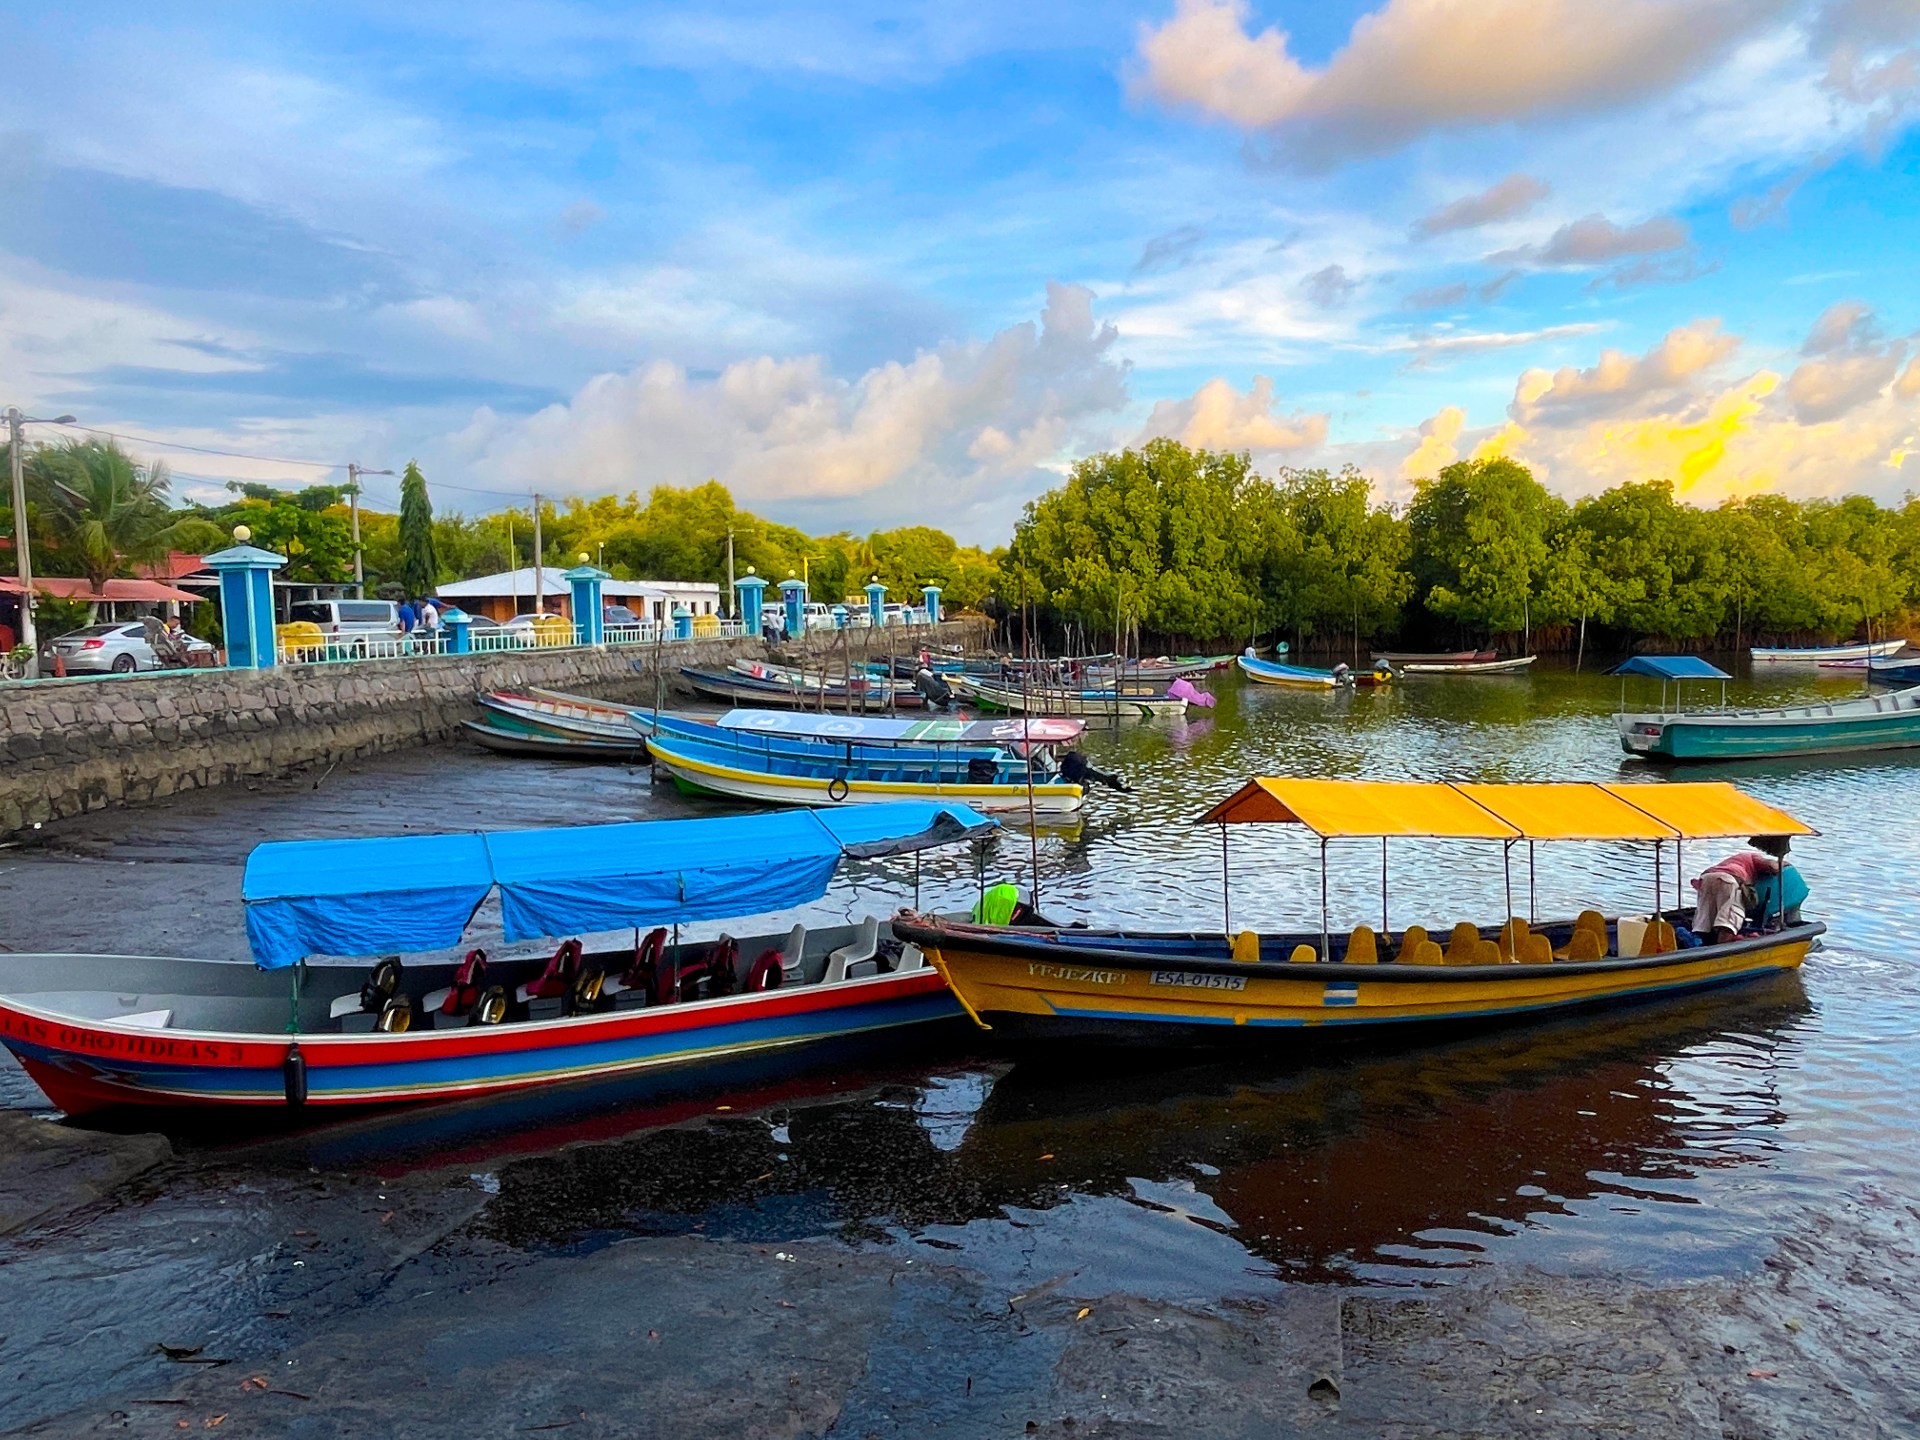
[1871,722]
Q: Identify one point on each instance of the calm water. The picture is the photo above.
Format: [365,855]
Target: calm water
[1670,1141]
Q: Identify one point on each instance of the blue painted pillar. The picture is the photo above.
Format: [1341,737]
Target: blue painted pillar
[682,623]
[584,581]
[876,603]
[794,593]
[459,631]
[839,617]
[932,593]
[752,591]
[246,601]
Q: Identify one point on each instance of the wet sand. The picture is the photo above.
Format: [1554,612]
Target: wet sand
[893,1245]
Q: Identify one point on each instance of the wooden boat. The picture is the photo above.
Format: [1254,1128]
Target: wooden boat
[1125,701]
[503,740]
[1161,670]
[1814,654]
[1897,671]
[100,1031]
[1871,722]
[553,714]
[1208,987]
[738,772]
[1400,658]
[1510,666]
[1305,677]
[740,690]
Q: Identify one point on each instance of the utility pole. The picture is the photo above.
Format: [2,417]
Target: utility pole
[22,552]
[354,472]
[732,601]
[539,576]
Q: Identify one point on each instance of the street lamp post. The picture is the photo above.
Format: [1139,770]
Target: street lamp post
[22,552]
[354,472]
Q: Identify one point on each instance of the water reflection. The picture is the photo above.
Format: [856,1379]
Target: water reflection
[1370,1160]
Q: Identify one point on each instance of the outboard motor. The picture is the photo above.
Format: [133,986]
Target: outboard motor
[1076,769]
[1342,674]
[982,771]
[937,691]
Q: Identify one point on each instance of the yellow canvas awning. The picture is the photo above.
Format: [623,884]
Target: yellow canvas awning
[1568,812]
[1332,808]
[1531,811]
[1709,810]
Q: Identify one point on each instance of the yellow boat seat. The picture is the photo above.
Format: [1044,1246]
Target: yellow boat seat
[1512,938]
[1489,953]
[1246,947]
[1659,939]
[1536,950]
[1461,944]
[1303,955]
[1585,945]
[1362,947]
[1412,940]
[1427,952]
[1595,924]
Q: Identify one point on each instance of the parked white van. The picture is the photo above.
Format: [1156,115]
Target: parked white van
[348,618]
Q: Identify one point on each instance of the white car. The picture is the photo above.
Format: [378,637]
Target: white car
[116,647]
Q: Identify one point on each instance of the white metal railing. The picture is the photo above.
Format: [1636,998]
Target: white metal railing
[491,639]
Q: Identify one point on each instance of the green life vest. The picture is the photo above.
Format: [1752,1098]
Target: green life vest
[996,907]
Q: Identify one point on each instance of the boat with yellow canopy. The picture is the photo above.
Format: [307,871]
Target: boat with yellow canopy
[1048,980]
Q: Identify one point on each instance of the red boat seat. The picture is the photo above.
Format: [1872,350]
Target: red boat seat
[458,999]
[557,979]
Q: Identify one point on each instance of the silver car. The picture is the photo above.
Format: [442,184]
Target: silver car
[117,646]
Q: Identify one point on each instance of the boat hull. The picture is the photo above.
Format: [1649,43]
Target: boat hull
[91,1065]
[1888,722]
[1512,666]
[528,743]
[1293,677]
[1028,987]
[1814,654]
[1084,704]
[711,774]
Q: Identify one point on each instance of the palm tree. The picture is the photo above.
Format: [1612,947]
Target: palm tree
[106,512]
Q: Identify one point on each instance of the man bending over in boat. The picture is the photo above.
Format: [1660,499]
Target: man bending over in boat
[1727,889]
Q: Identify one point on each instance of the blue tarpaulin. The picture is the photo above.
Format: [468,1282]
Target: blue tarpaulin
[417,892]
[1671,667]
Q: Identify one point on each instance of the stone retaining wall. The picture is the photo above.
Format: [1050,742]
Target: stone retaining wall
[68,746]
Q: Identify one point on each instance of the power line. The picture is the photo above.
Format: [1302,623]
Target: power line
[203,450]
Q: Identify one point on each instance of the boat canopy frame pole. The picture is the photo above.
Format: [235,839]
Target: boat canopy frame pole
[1659,890]
[1386,935]
[1506,866]
[1226,887]
[1326,949]
[1533,889]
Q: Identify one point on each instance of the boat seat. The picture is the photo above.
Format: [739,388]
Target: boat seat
[1595,924]
[1585,945]
[1512,938]
[1411,940]
[1536,950]
[1427,952]
[1303,954]
[1488,952]
[1462,943]
[912,957]
[1362,947]
[1246,947]
[147,1019]
[862,957]
[1659,939]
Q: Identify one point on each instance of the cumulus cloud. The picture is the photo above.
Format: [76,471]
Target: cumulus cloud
[1617,381]
[1414,66]
[1907,387]
[1502,200]
[1329,287]
[966,420]
[1848,363]
[1218,417]
[1439,444]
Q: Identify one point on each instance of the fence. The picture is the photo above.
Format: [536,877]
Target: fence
[549,632]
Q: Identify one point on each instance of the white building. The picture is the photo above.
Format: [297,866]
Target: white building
[510,593]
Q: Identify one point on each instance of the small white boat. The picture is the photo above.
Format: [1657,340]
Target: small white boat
[1816,654]
[1510,666]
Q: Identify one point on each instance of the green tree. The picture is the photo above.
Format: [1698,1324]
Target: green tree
[102,512]
[419,564]
[1478,534]
[309,526]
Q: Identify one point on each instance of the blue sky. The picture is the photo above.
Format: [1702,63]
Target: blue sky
[874,265]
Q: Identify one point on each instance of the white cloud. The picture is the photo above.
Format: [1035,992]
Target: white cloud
[1218,417]
[965,424]
[1413,66]
[1439,444]
[1619,381]
[1848,363]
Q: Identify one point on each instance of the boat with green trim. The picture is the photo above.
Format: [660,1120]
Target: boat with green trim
[1839,727]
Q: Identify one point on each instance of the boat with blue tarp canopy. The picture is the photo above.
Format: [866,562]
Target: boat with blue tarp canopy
[418,892]
[1671,667]
[99,1032]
